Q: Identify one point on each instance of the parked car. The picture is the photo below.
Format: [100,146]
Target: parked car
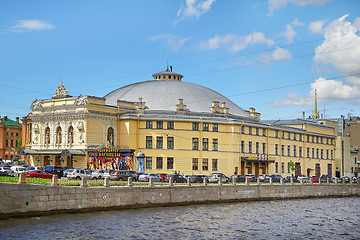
[39,174]
[18,169]
[276,177]
[324,178]
[58,170]
[97,174]
[4,174]
[67,171]
[177,178]
[264,178]
[79,173]
[31,168]
[122,175]
[162,175]
[215,177]
[137,176]
[238,178]
[305,179]
[107,173]
[7,169]
[315,179]
[346,179]
[252,177]
[199,178]
[146,176]
[288,179]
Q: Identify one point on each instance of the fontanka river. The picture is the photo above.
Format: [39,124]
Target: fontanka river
[326,218]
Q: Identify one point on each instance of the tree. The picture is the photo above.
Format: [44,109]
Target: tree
[292,166]
[19,143]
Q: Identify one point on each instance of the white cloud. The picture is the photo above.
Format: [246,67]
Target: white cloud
[340,50]
[170,40]
[276,4]
[317,27]
[290,33]
[32,25]
[237,43]
[277,55]
[194,8]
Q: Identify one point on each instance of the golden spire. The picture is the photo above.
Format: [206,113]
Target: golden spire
[316,115]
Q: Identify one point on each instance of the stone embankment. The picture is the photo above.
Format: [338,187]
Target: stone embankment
[28,200]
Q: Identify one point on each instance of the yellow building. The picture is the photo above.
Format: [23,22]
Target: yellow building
[179,126]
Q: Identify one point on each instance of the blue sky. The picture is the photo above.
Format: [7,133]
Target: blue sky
[270,55]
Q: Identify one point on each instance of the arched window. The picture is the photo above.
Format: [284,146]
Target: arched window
[47,135]
[71,135]
[110,136]
[58,135]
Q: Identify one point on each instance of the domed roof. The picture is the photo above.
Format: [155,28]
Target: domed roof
[164,94]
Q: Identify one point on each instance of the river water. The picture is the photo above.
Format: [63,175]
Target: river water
[326,218]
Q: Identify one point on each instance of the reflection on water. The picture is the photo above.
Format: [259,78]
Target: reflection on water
[331,218]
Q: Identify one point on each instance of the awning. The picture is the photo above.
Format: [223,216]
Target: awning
[257,160]
[65,152]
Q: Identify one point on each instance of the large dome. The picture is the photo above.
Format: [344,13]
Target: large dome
[164,94]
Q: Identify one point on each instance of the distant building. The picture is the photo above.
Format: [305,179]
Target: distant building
[10,135]
[179,126]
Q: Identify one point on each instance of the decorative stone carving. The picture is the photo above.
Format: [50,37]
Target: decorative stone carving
[61,91]
[80,100]
[81,132]
[36,132]
[36,105]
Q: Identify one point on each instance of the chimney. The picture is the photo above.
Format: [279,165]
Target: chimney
[304,115]
[17,119]
[223,105]
[170,68]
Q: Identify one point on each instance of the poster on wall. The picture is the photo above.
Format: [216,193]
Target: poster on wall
[140,165]
[112,159]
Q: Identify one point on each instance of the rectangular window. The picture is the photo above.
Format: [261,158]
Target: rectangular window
[250,130]
[312,139]
[250,147]
[294,136]
[215,144]
[195,126]
[264,148]
[215,128]
[214,164]
[159,163]
[332,156]
[282,135]
[308,152]
[205,127]
[294,151]
[195,164]
[205,166]
[327,154]
[170,125]
[276,133]
[276,149]
[300,137]
[282,167]
[6,143]
[264,132]
[205,144]
[159,142]
[327,141]
[170,163]
[313,152]
[288,150]
[242,129]
[257,147]
[288,136]
[242,146]
[317,139]
[148,163]
[282,150]
[148,142]
[317,153]
[11,143]
[149,124]
[322,154]
[300,151]
[289,169]
[308,138]
[276,167]
[321,140]
[195,144]
[170,143]
[159,124]
[257,131]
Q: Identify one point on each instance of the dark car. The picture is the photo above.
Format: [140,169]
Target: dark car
[58,170]
[4,174]
[238,178]
[276,178]
[199,178]
[324,178]
[122,175]
[177,178]
[251,177]
[288,179]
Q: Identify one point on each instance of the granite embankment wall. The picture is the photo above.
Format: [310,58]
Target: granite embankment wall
[28,199]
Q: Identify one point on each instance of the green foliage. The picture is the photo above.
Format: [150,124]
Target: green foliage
[292,166]
[19,143]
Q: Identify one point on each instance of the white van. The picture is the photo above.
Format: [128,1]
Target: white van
[18,169]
